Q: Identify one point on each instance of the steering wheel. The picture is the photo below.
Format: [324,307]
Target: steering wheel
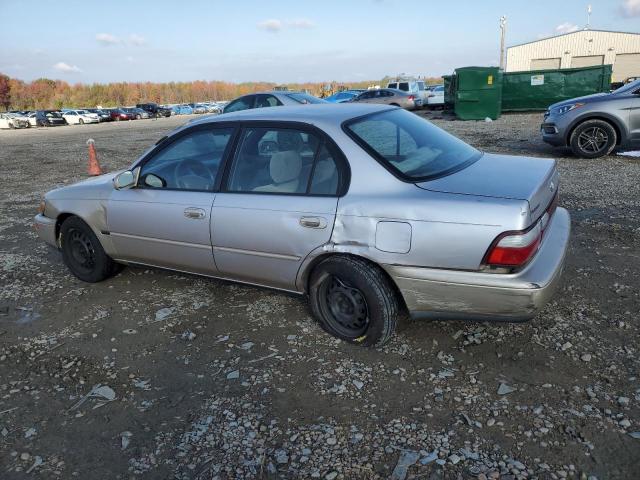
[193,175]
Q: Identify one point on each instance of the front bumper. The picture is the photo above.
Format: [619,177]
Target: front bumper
[46,229]
[439,293]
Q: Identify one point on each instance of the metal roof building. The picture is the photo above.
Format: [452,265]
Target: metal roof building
[580,49]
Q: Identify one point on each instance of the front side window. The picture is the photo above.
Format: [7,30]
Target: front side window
[410,146]
[242,103]
[404,86]
[393,85]
[189,163]
[284,161]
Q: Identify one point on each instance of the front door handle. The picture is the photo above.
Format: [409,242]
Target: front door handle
[313,222]
[195,213]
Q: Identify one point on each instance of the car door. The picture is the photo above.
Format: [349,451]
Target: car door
[165,220]
[278,204]
[634,118]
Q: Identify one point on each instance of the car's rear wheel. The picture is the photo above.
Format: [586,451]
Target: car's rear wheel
[593,139]
[138,117]
[354,300]
[83,253]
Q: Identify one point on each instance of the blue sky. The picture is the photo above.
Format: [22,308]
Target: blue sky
[277,40]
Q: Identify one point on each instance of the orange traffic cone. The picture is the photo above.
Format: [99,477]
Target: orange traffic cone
[94,167]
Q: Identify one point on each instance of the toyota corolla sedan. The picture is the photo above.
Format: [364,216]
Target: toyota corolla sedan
[368,210]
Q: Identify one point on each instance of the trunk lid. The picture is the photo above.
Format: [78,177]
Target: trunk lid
[504,176]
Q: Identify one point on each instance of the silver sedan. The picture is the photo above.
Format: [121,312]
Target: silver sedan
[389,96]
[275,98]
[368,210]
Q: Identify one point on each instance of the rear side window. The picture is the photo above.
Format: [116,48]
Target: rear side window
[393,85]
[421,86]
[283,161]
[410,146]
[404,86]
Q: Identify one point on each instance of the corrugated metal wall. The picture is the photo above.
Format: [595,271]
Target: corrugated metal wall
[584,43]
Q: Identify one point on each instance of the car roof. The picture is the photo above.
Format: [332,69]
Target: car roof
[319,113]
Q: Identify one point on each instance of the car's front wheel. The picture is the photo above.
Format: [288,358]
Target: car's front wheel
[82,252]
[354,300]
[593,139]
[81,122]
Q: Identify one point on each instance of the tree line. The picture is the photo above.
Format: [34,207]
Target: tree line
[45,93]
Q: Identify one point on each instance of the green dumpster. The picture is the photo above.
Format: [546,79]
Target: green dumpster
[478,93]
[537,89]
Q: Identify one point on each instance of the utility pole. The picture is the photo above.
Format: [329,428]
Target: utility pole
[588,17]
[503,30]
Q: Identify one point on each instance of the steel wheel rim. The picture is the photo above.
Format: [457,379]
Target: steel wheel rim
[81,250]
[344,307]
[593,139]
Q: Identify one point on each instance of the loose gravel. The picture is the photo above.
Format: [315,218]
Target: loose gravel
[154,374]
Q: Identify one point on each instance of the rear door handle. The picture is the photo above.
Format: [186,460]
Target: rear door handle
[195,213]
[313,222]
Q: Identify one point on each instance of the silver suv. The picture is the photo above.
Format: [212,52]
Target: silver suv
[595,125]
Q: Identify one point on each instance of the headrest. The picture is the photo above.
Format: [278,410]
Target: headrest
[285,166]
[290,140]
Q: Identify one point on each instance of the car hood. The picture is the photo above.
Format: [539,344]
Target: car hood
[94,188]
[595,97]
[503,176]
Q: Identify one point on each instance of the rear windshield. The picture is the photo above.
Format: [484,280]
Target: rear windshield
[410,146]
[305,98]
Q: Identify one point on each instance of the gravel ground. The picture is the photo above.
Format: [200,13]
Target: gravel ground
[154,374]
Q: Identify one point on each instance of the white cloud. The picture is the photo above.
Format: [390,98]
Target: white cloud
[301,23]
[567,27]
[137,40]
[107,39]
[129,59]
[271,25]
[274,25]
[66,68]
[630,8]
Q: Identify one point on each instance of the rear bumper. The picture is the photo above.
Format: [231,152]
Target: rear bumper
[439,293]
[46,229]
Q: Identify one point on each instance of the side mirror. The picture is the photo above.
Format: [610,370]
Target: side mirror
[126,179]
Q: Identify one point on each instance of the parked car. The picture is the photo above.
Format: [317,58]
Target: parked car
[412,87]
[388,96]
[48,118]
[595,125]
[368,210]
[79,117]
[435,96]
[154,109]
[14,120]
[341,97]
[274,98]
[137,113]
[118,114]
[182,110]
[103,115]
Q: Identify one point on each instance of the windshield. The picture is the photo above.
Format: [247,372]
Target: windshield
[410,146]
[628,88]
[305,98]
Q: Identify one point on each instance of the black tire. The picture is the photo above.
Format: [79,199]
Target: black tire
[138,117]
[83,253]
[353,300]
[81,122]
[593,139]
[394,104]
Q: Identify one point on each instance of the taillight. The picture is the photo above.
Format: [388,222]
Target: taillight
[514,249]
[411,97]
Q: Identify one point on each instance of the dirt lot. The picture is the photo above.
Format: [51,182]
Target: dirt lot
[204,379]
